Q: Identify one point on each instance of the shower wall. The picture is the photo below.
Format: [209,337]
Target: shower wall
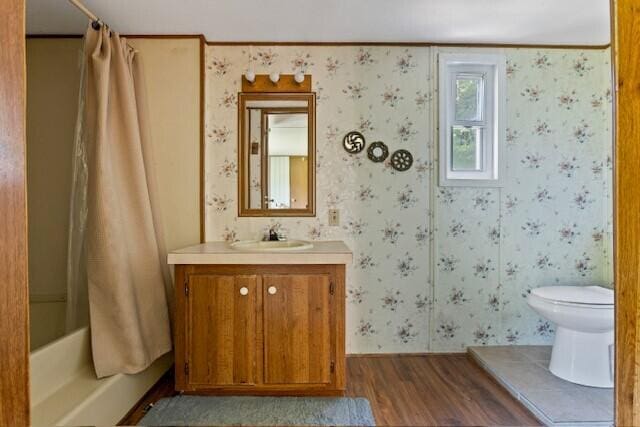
[53,80]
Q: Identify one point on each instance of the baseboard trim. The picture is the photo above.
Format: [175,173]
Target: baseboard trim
[148,397]
[423,354]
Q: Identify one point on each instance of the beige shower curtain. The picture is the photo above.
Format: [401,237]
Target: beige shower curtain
[127,276]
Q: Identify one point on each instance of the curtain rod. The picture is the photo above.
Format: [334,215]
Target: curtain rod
[95,21]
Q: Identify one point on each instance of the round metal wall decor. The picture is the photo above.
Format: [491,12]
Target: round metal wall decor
[353,142]
[401,160]
[377,151]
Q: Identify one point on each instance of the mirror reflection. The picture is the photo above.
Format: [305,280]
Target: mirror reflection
[276,161]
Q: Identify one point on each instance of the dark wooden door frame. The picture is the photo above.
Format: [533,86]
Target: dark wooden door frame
[14,292]
[626,60]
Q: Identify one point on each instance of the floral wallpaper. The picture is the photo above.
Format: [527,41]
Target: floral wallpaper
[551,222]
[383,93]
[485,248]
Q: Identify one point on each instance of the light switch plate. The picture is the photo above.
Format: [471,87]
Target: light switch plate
[334,217]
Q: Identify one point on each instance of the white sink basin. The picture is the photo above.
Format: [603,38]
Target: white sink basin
[268,246]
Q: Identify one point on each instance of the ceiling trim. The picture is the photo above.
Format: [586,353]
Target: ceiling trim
[411,44]
[367,43]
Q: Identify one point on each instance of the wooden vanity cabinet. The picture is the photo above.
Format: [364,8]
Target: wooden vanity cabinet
[296,316]
[221,329]
[260,329]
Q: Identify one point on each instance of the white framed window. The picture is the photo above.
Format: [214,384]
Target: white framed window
[471,119]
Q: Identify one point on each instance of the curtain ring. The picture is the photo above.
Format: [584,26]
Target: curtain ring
[96,25]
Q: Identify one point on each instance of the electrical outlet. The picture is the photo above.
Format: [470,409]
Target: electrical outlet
[334,217]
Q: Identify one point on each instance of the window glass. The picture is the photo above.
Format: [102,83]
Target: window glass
[466,148]
[471,121]
[469,97]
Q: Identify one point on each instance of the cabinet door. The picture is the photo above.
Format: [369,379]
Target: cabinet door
[297,325]
[221,330]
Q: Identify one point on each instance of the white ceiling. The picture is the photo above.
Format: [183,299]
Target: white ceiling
[444,21]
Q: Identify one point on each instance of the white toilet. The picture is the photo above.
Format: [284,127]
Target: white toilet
[583,348]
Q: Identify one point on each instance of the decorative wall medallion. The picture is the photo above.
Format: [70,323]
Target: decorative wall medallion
[377,151]
[401,160]
[353,142]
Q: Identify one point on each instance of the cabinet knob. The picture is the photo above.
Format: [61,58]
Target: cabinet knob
[244,290]
[272,290]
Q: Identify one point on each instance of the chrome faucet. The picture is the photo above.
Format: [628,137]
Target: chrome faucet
[272,234]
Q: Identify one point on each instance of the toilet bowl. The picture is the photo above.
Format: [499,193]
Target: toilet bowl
[583,347]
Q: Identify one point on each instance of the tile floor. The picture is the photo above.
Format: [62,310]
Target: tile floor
[522,370]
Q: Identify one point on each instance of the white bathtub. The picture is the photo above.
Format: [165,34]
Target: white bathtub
[66,392]
[46,319]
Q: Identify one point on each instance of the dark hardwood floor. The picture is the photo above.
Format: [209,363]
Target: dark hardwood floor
[432,390]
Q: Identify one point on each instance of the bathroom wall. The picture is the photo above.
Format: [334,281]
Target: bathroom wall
[486,248]
[172,78]
[53,79]
[551,222]
[383,93]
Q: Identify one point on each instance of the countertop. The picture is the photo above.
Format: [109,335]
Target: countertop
[327,252]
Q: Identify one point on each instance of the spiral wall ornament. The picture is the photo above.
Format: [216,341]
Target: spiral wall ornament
[353,142]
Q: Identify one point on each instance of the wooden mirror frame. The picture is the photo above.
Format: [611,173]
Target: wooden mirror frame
[243,152]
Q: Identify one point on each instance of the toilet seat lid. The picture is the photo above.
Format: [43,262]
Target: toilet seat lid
[576,294]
